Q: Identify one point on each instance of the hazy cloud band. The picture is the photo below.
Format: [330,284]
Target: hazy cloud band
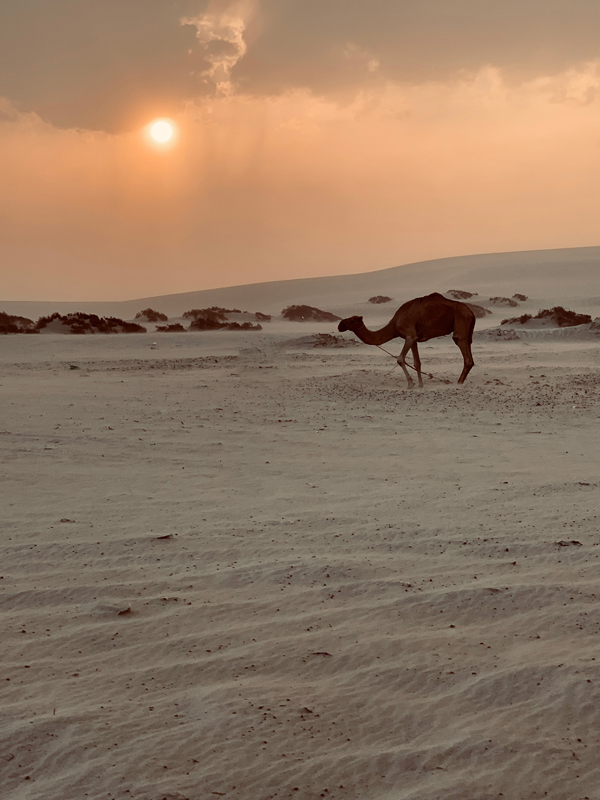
[111,65]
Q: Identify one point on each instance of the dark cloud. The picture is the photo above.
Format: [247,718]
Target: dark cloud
[328,46]
[111,65]
[100,65]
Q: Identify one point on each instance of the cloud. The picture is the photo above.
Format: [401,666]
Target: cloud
[109,65]
[302,43]
[221,38]
[113,65]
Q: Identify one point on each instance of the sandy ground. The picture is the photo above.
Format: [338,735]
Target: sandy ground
[235,569]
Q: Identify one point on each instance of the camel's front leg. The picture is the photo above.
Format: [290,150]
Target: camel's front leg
[408,343]
[417,360]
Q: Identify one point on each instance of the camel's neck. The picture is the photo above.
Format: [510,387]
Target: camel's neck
[381,336]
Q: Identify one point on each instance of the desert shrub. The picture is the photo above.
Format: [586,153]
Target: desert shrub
[520,297]
[460,294]
[327,340]
[44,321]
[210,324]
[307,314]
[126,327]
[215,318]
[513,320]
[220,310]
[214,314]
[479,311]
[560,316]
[151,315]
[242,326]
[174,327]
[80,322]
[379,298]
[207,320]
[503,301]
[564,318]
[12,323]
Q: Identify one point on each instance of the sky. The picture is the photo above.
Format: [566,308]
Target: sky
[312,137]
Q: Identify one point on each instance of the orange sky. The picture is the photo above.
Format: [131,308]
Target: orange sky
[273,182]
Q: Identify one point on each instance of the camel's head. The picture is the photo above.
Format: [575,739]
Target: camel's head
[351,324]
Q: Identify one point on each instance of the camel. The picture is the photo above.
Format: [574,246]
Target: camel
[419,320]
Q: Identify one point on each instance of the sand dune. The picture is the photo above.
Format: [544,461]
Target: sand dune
[569,274]
[235,569]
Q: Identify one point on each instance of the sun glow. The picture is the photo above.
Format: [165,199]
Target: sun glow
[161,131]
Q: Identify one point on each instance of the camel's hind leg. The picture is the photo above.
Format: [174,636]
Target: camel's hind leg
[417,360]
[408,343]
[465,348]
[463,337]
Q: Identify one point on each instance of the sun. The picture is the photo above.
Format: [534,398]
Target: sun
[161,130]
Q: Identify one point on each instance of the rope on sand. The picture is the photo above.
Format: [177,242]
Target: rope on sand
[427,374]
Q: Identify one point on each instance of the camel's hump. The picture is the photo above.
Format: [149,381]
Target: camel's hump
[434,296]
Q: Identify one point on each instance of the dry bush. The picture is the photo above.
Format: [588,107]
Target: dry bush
[79,322]
[560,316]
[151,315]
[504,301]
[307,314]
[12,323]
[174,327]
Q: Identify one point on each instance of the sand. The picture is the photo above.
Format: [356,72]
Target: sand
[237,568]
